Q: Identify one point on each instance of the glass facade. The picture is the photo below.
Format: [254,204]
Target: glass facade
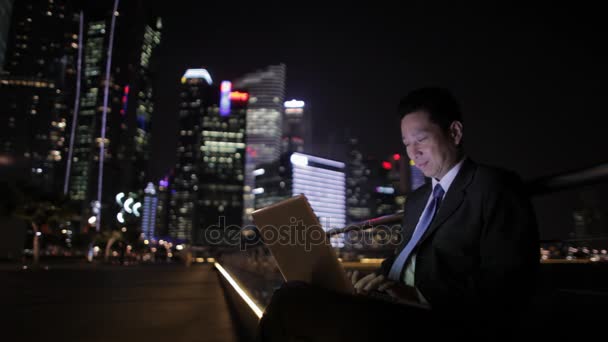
[264,124]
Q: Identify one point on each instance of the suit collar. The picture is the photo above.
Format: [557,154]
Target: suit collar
[454,197]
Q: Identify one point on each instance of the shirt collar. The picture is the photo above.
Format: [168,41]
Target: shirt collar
[447,180]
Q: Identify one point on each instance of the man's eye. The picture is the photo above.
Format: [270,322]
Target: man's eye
[421,139]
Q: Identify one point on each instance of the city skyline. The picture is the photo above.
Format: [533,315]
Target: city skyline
[517,96]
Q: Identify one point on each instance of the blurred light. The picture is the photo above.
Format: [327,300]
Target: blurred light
[412,163]
[210,260]
[257,191]
[387,165]
[92,219]
[200,260]
[115,253]
[225,88]
[146,242]
[396,156]
[385,190]
[127,205]
[124,229]
[294,104]
[161,242]
[96,249]
[259,172]
[120,218]
[64,231]
[25,267]
[239,290]
[239,96]
[371,260]
[136,207]
[170,255]
[299,159]
[198,73]
[179,247]
[38,233]
[119,198]
[153,249]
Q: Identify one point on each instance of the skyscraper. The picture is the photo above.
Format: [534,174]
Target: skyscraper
[358,185]
[297,127]
[130,106]
[162,209]
[6,9]
[148,221]
[264,123]
[37,85]
[211,155]
[321,180]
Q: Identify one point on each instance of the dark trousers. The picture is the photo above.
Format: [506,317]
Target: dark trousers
[300,312]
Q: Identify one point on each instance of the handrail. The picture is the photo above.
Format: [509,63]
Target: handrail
[539,186]
[567,180]
[367,224]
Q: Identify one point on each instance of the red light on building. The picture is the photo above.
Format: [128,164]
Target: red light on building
[386,165]
[396,156]
[127,90]
[239,96]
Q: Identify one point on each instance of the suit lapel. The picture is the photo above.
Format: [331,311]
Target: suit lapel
[413,211]
[453,198]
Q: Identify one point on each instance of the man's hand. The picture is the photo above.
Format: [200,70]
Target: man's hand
[368,283]
[400,291]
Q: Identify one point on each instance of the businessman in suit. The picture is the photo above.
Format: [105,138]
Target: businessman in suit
[470,241]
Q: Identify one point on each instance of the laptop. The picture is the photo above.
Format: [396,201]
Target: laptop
[292,232]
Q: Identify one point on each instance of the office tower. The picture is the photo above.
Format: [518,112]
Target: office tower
[148,221]
[130,103]
[36,85]
[297,128]
[209,175]
[358,185]
[162,209]
[6,9]
[264,123]
[321,180]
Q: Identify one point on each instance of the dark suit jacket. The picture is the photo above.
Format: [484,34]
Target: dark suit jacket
[481,251]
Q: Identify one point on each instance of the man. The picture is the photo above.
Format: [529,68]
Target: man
[470,236]
[470,241]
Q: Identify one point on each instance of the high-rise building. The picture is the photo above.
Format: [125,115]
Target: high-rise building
[358,185]
[148,221]
[297,128]
[130,104]
[264,123]
[6,9]
[36,85]
[321,180]
[162,209]
[209,175]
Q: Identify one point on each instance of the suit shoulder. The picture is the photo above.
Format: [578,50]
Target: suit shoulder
[492,177]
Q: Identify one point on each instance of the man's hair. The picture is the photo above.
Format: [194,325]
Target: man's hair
[441,105]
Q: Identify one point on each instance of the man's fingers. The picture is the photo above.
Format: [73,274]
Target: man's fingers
[374,283]
[387,285]
[363,282]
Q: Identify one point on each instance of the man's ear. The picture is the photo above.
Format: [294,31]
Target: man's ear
[456,132]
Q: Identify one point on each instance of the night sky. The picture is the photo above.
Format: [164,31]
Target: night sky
[531,80]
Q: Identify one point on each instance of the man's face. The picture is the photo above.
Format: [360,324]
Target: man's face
[434,151]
